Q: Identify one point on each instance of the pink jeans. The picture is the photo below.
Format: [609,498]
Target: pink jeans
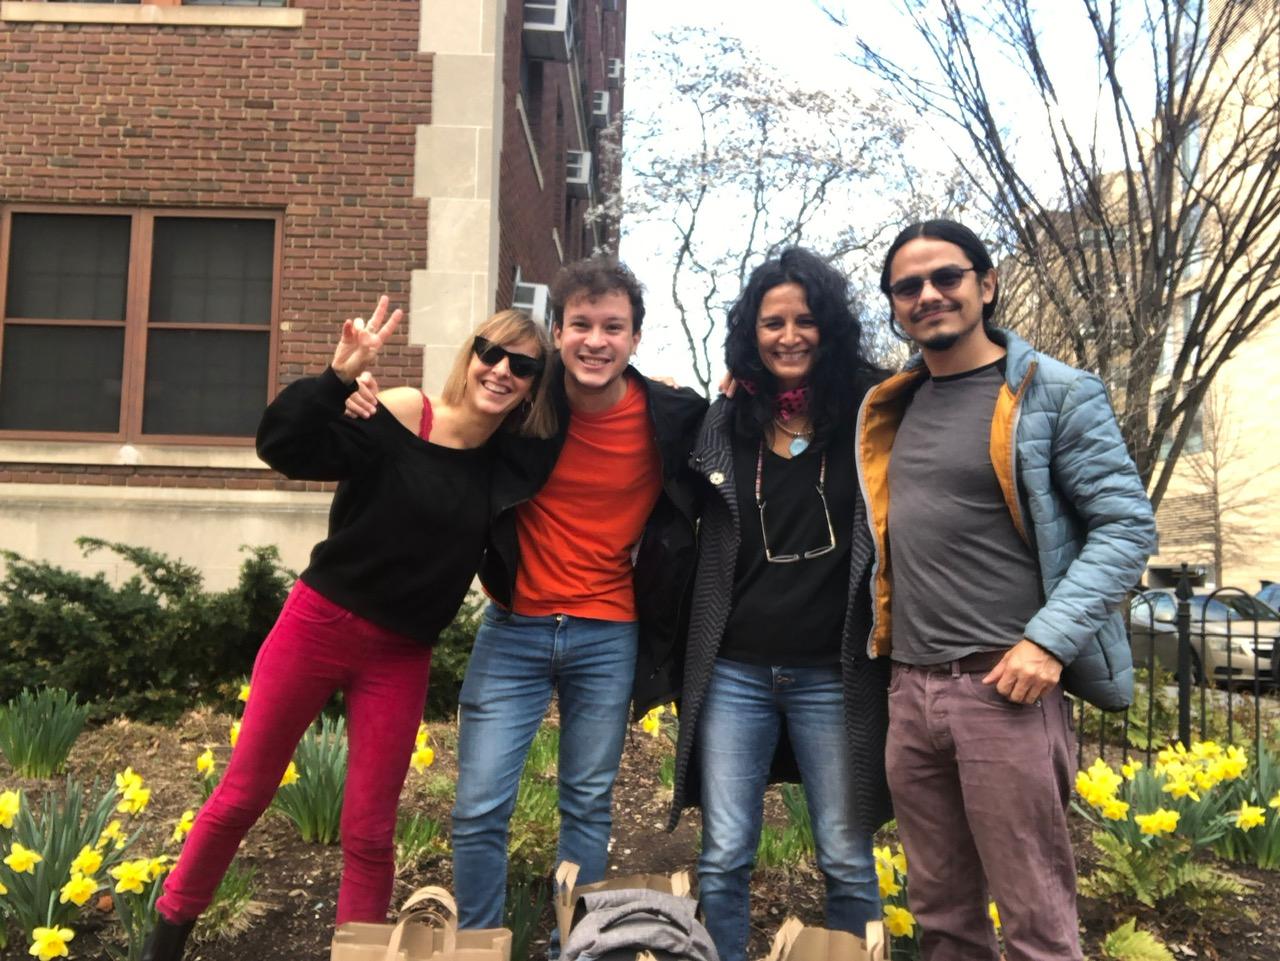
[315,648]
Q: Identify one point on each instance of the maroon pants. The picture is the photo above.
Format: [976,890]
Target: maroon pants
[315,648]
[980,788]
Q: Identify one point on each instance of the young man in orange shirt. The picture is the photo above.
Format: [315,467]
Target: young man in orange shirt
[588,567]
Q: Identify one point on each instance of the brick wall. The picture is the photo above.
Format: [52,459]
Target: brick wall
[317,122]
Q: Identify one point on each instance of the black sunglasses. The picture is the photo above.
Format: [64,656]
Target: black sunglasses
[520,365]
[944,278]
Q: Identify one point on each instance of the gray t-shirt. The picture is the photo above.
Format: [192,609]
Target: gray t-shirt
[963,578]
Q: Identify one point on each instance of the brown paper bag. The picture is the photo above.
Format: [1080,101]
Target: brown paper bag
[426,930]
[567,892]
[796,942]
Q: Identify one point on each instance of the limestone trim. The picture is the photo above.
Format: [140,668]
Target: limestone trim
[234,502]
[25,11]
[528,139]
[131,455]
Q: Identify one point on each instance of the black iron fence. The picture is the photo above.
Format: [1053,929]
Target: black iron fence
[1207,668]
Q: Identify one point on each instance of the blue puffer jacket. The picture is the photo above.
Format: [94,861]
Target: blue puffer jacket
[1073,494]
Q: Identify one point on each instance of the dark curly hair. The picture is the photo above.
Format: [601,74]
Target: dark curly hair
[953,233]
[841,372]
[594,277]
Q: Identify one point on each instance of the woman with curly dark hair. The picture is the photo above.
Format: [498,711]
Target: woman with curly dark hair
[777,683]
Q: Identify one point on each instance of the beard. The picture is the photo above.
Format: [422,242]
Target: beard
[941,342]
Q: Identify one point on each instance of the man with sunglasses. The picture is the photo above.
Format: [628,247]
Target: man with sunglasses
[588,568]
[1009,522]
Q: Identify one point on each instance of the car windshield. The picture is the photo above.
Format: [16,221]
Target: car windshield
[1231,607]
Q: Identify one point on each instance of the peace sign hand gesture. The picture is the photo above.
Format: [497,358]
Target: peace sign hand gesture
[361,340]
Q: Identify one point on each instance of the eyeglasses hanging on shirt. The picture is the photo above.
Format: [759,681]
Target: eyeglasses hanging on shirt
[773,558]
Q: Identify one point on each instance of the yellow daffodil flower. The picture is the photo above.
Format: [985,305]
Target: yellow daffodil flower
[135,800]
[22,860]
[78,890]
[1158,822]
[10,804]
[132,876]
[235,733]
[1180,788]
[889,886]
[423,737]
[184,825]
[244,693]
[1275,802]
[994,914]
[422,759]
[899,921]
[158,866]
[111,832]
[1113,809]
[205,763]
[1129,769]
[127,779]
[290,775]
[651,723]
[49,943]
[3,890]
[1206,749]
[87,862]
[1250,816]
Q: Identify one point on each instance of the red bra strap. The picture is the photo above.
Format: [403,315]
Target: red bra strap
[424,428]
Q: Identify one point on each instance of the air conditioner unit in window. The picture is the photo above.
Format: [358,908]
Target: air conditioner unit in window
[548,30]
[600,108]
[531,298]
[614,71]
[578,175]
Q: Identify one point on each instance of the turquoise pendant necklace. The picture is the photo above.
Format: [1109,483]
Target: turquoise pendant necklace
[799,439]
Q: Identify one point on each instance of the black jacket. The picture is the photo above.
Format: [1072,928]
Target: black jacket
[865,681]
[668,547]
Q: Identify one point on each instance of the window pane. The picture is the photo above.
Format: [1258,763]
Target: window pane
[205,382]
[61,378]
[68,267]
[212,271]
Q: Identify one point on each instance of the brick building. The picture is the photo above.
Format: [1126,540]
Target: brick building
[193,195]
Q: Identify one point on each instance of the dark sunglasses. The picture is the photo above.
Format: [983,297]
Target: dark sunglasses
[520,365]
[944,278]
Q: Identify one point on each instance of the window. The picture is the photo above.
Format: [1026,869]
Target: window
[137,324]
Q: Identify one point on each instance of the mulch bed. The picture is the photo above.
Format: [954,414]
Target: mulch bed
[298,882]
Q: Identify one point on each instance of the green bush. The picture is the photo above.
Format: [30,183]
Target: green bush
[38,729]
[450,656]
[148,648]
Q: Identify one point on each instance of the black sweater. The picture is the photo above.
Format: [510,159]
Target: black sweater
[409,519]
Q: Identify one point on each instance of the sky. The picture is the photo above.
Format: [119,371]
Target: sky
[799,38]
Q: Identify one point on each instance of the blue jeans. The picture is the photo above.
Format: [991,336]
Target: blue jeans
[515,666]
[744,714]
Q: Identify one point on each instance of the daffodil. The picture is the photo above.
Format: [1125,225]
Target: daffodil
[111,832]
[10,804]
[127,779]
[888,880]
[205,763]
[158,866]
[899,921]
[78,890]
[235,732]
[1113,809]
[1158,822]
[651,723]
[3,890]
[22,860]
[423,737]
[1275,802]
[49,943]
[290,775]
[184,825]
[1180,788]
[1129,769]
[1250,816]
[87,862]
[132,876]
[135,800]
[422,759]
[244,693]
[994,914]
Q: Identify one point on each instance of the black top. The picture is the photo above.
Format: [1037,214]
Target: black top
[409,519]
[791,614]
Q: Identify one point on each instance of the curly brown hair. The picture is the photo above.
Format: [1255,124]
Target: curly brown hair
[594,277]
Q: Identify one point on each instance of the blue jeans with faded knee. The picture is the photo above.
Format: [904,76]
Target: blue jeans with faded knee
[746,709]
[516,665]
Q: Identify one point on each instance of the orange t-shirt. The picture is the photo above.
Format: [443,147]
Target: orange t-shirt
[577,534]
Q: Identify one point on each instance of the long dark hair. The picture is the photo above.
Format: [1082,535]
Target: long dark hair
[954,233]
[841,373]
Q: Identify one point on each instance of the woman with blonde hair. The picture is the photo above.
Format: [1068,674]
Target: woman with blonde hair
[406,532]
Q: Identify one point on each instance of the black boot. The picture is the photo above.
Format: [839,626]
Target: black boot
[166,940]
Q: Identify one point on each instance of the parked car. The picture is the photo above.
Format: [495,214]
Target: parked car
[1270,595]
[1227,630]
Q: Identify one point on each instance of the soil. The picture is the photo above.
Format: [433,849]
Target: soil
[297,883]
